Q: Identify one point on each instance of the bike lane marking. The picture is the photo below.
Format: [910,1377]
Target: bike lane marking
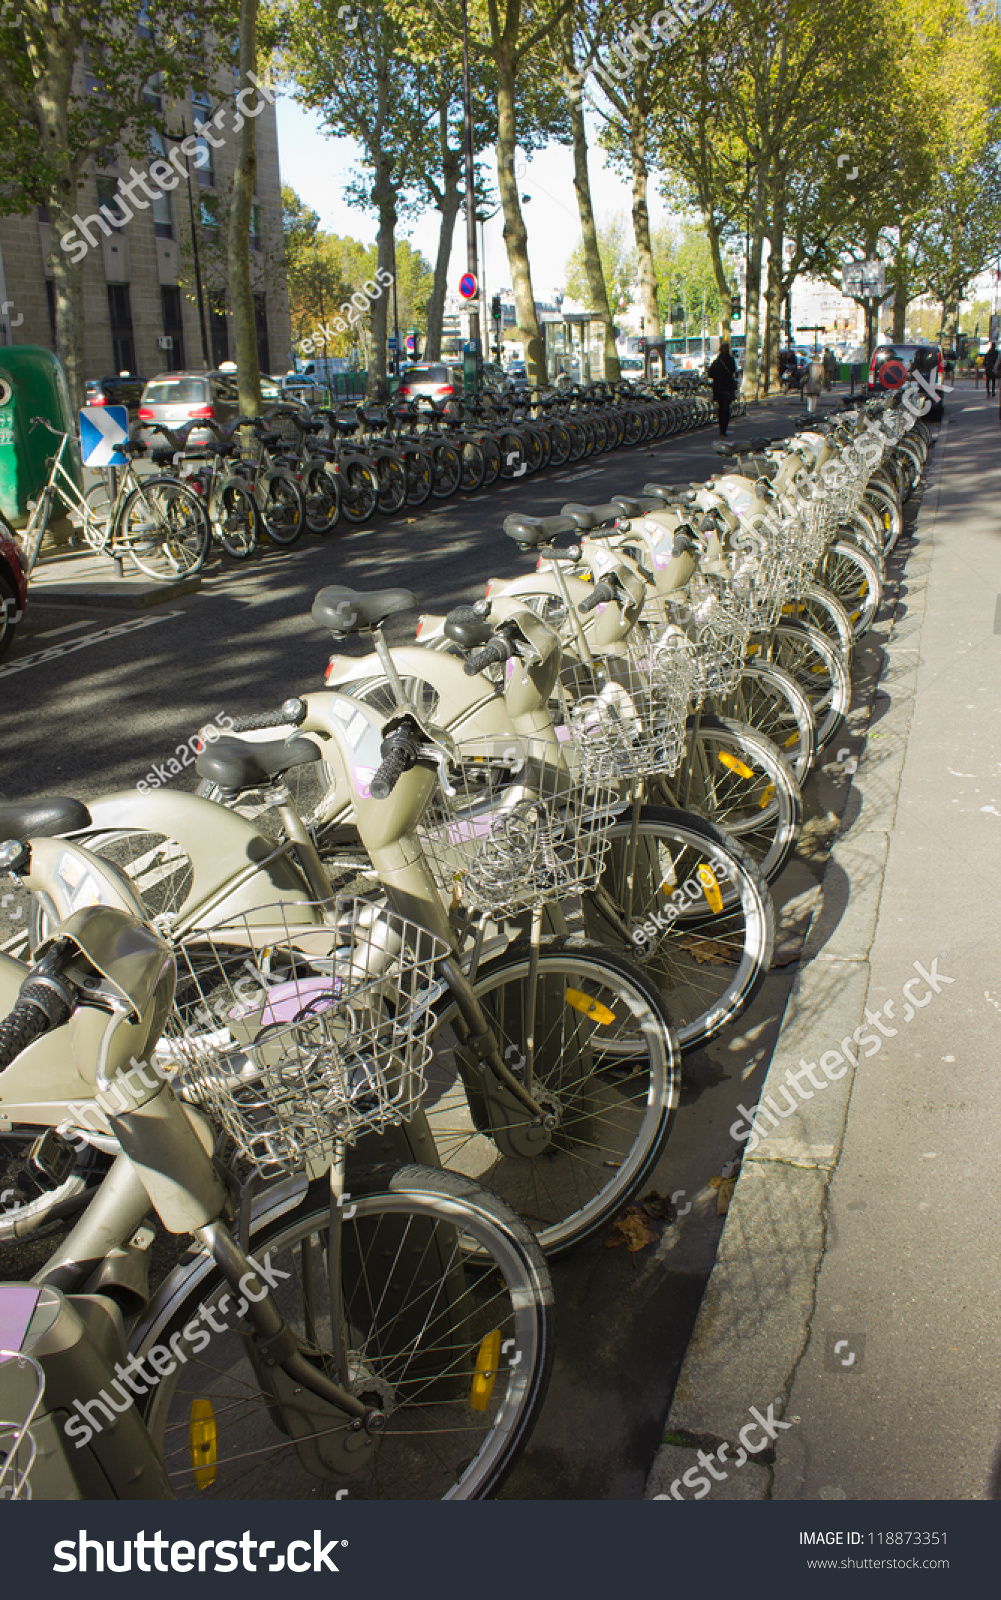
[56,650]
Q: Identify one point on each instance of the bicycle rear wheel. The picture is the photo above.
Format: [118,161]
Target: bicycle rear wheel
[282,506]
[235,517]
[447,1305]
[165,529]
[737,779]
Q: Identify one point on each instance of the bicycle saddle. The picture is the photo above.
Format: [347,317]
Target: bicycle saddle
[236,764]
[45,819]
[586,518]
[673,494]
[531,531]
[345,611]
[634,505]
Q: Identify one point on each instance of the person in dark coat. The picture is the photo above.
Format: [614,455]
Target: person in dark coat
[723,376]
[991,367]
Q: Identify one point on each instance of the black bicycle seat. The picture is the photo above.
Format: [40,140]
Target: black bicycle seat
[344,611]
[635,505]
[42,819]
[236,764]
[531,531]
[586,518]
[669,492]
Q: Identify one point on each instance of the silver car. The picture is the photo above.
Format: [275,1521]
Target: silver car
[175,398]
[433,379]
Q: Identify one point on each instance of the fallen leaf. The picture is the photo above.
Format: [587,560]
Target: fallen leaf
[708,949]
[631,1229]
[656,1206]
[724,1189]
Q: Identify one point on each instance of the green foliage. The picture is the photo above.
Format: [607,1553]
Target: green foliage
[618,266]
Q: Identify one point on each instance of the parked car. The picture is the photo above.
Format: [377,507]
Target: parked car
[174,398]
[433,379]
[893,364]
[13,586]
[125,389]
[516,375]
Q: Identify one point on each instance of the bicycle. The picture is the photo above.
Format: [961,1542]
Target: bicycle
[398,1346]
[157,520]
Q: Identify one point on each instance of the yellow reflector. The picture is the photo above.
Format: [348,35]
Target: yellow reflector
[769,794]
[863,589]
[203,1442]
[485,1372]
[752,649]
[817,670]
[739,767]
[710,888]
[590,1008]
[793,739]
[887,520]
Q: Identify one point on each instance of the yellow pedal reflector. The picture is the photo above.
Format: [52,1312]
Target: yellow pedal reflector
[792,740]
[733,765]
[203,1442]
[485,1371]
[710,887]
[769,794]
[589,1007]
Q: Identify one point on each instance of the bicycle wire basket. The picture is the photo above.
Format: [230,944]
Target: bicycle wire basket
[527,824]
[18,1445]
[295,1038]
[717,630]
[626,714]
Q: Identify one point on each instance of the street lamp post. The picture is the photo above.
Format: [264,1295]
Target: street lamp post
[467,123]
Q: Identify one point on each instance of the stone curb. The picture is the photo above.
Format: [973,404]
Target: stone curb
[754,1322]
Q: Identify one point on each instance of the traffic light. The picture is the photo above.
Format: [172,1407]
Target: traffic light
[962,346]
[495,308]
[736,310]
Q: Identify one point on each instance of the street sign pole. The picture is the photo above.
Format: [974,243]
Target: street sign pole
[467,123]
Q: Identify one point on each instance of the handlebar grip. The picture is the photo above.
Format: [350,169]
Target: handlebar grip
[496,650]
[399,754]
[45,1002]
[601,591]
[291,714]
[26,1023]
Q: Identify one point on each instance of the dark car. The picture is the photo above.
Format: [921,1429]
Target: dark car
[893,364]
[125,389]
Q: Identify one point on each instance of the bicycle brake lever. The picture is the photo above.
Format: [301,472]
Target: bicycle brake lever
[435,753]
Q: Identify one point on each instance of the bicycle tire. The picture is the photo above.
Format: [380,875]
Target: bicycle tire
[447,471]
[235,517]
[771,702]
[491,449]
[738,780]
[572,976]
[322,495]
[819,608]
[282,506]
[182,548]
[853,577]
[420,476]
[474,467]
[392,485]
[359,491]
[817,666]
[650,856]
[474,1270]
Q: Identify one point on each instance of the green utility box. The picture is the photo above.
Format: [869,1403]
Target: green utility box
[32,384]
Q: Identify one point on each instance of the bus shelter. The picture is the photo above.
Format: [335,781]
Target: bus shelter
[574,345]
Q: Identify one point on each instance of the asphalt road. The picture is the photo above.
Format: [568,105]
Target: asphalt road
[98,716]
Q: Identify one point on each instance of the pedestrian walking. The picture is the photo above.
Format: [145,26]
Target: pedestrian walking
[723,377]
[814,380]
[830,367]
[991,367]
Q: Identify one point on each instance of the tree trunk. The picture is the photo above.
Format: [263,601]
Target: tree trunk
[753,292]
[641,224]
[589,234]
[775,285]
[241,293]
[515,234]
[900,286]
[384,195]
[719,273]
[436,305]
[67,279]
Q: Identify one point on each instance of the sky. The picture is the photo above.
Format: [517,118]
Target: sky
[317,168]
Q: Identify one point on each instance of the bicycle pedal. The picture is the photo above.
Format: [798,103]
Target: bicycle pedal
[52,1157]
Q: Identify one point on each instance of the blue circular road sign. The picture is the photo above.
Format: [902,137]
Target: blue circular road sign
[467,286]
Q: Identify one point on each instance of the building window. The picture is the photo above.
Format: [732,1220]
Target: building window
[218,326]
[206,172]
[173,326]
[153,90]
[163,221]
[50,295]
[261,324]
[118,209]
[256,241]
[122,339]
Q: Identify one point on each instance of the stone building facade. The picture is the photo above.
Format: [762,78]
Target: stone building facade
[142,311]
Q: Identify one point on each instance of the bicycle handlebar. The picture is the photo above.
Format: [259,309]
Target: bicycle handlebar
[496,649]
[601,591]
[399,754]
[45,1001]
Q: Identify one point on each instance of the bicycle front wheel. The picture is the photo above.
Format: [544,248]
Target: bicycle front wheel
[165,529]
[693,909]
[737,779]
[283,508]
[589,1034]
[447,1308]
[235,517]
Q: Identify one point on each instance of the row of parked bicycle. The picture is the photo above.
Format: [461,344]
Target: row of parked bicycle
[469,905]
[298,470]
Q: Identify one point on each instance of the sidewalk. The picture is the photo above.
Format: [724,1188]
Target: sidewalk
[857,1287]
